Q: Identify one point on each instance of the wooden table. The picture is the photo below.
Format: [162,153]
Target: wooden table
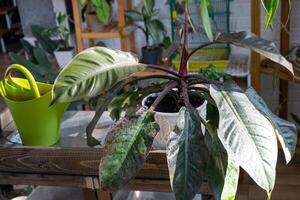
[72,163]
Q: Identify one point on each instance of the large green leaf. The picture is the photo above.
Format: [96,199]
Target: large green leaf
[93,71]
[102,104]
[154,27]
[127,151]
[134,15]
[222,169]
[271,7]
[286,131]
[29,49]
[102,11]
[83,2]
[44,39]
[187,155]
[246,134]
[259,45]
[129,29]
[223,172]
[42,58]
[204,6]
[148,7]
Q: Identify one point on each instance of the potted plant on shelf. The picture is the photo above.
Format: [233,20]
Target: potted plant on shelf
[38,58]
[98,13]
[153,29]
[240,129]
[64,53]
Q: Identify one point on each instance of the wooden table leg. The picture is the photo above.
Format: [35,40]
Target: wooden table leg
[90,194]
[104,195]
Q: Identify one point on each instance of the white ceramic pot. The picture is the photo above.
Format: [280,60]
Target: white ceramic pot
[167,122]
[63,57]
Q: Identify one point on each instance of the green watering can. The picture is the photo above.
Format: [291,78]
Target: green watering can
[28,101]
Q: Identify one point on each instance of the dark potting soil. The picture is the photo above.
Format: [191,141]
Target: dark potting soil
[170,103]
[66,49]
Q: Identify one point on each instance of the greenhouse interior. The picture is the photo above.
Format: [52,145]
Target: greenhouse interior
[149,99]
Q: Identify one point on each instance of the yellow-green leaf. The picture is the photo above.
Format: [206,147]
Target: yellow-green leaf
[92,72]
[271,7]
[204,12]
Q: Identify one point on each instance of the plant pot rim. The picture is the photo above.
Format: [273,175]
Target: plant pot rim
[65,50]
[151,48]
[165,113]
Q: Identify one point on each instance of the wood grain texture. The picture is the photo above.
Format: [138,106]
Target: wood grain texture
[68,161]
[255,57]
[77,24]
[46,180]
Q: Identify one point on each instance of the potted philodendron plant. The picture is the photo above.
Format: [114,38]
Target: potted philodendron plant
[240,129]
[64,53]
[97,12]
[147,21]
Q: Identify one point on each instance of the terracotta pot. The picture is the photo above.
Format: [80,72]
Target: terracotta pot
[94,24]
[167,122]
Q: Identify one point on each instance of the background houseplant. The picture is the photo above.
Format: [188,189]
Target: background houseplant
[64,53]
[98,13]
[240,127]
[39,56]
[152,28]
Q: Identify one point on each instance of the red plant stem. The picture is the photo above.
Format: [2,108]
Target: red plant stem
[185,50]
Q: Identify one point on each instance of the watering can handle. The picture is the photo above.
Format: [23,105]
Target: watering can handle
[27,74]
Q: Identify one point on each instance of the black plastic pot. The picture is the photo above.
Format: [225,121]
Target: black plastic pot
[151,55]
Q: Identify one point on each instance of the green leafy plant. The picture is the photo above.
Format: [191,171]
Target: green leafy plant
[214,73]
[61,32]
[43,39]
[102,8]
[38,61]
[239,126]
[152,27]
[207,13]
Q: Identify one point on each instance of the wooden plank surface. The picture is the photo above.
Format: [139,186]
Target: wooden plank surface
[72,161]
[77,25]
[100,35]
[46,180]
[77,166]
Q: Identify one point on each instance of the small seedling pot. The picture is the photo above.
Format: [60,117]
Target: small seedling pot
[167,122]
[64,56]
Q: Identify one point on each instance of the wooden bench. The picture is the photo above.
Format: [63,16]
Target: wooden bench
[73,163]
